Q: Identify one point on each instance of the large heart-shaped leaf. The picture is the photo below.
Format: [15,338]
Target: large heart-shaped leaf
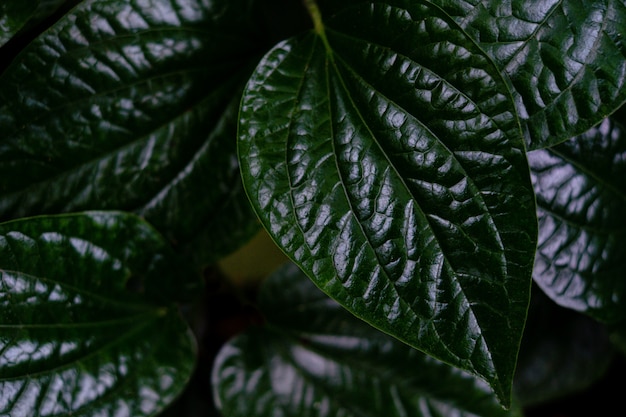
[382,154]
[315,358]
[565,58]
[581,198]
[86,326]
[125,105]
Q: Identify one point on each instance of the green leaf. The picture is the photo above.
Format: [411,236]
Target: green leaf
[382,154]
[581,198]
[74,338]
[121,105]
[18,15]
[207,221]
[315,358]
[566,60]
[13,15]
[562,353]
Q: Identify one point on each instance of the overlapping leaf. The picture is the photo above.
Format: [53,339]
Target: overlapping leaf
[313,358]
[383,155]
[86,322]
[565,58]
[16,15]
[563,352]
[124,105]
[581,198]
[204,209]
[13,16]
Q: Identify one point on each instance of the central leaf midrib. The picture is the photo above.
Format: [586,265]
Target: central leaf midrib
[75,361]
[90,47]
[343,185]
[79,102]
[110,153]
[85,324]
[124,305]
[398,175]
[329,53]
[447,262]
[449,151]
[370,244]
[406,58]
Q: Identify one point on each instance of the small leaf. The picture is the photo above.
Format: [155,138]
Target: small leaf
[74,339]
[383,155]
[120,105]
[566,59]
[315,358]
[581,198]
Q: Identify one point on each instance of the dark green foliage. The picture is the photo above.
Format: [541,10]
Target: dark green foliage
[421,162]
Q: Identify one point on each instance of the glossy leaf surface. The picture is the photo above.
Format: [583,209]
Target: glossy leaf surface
[566,60]
[204,209]
[384,157]
[313,358]
[86,327]
[125,105]
[581,198]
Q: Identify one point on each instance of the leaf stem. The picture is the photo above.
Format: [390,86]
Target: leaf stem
[316,16]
